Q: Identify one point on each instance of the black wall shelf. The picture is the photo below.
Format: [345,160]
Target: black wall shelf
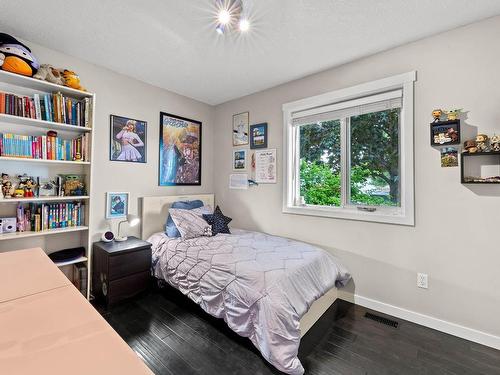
[469,156]
[442,128]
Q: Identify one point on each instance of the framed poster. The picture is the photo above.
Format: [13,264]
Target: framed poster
[127,139]
[116,205]
[240,128]
[258,136]
[265,166]
[180,151]
[239,160]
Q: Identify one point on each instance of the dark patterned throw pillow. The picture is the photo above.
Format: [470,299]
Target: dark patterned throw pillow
[218,221]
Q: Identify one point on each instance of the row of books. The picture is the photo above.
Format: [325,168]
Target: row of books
[37,217]
[45,147]
[48,107]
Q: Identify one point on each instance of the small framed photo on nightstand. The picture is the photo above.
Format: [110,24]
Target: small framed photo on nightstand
[116,205]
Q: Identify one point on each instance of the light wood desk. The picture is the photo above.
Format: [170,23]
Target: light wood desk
[48,327]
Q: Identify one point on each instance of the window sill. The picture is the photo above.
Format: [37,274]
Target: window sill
[398,217]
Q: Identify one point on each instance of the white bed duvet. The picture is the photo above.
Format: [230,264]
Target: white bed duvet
[261,285]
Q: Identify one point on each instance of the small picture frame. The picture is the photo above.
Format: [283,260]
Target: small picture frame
[47,187]
[258,136]
[239,160]
[241,122]
[128,139]
[117,205]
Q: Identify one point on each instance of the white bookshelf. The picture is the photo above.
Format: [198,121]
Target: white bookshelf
[45,199]
[23,121]
[44,161]
[53,239]
[48,232]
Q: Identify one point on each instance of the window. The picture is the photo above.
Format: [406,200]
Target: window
[349,153]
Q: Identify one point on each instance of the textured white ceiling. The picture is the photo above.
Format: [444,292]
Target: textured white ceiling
[172,43]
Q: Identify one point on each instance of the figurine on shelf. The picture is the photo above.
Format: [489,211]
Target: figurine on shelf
[74,185]
[495,143]
[453,114]
[19,193]
[470,146]
[452,134]
[78,157]
[436,114]
[29,185]
[7,188]
[482,142]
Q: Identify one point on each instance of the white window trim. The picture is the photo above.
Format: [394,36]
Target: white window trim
[406,214]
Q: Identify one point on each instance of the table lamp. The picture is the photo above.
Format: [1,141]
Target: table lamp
[132,221]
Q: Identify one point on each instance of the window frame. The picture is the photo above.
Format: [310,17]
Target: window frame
[403,215]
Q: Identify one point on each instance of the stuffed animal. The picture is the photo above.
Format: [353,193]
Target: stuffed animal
[50,74]
[72,80]
[15,57]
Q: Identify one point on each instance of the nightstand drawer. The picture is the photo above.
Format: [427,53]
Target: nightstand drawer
[129,286]
[129,263]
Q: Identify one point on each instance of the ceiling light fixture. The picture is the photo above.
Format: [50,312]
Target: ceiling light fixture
[230,15]
[244,25]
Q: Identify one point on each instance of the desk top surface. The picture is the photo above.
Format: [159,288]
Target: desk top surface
[54,331]
[27,272]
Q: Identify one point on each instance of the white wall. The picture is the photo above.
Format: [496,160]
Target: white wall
[456,225]
[121,95]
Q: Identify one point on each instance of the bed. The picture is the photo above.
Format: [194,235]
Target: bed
[267,288]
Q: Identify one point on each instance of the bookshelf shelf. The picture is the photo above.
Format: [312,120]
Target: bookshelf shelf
[69,262]
[18,86]
[44,161]
[18,120]
[42,86]
[44,199]
[50,232]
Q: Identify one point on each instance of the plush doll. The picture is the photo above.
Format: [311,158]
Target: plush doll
[15,57]
[50,74]
[72,80]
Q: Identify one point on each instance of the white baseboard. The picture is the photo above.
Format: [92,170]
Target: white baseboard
[426,320]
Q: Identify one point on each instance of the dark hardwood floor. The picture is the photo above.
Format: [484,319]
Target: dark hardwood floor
[173,336]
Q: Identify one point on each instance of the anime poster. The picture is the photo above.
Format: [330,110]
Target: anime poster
[127,140]
[180,151]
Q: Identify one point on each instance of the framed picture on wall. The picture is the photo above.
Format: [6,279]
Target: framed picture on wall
[240,128]
[116,205]
[258,136]
[127,139]
[239,160]
[180,151]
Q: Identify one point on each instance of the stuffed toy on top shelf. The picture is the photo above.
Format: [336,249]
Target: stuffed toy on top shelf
[15,57]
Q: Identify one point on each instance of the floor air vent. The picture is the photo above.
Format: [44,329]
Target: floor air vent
[380,319]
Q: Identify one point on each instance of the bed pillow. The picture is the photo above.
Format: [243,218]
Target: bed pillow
[191,223]
[218,221]
[170,228]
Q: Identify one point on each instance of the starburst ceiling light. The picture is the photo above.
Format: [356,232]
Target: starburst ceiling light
[231,16]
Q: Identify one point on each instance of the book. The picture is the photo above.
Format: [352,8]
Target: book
[53,107]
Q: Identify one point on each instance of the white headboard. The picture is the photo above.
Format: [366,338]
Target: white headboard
[155,211]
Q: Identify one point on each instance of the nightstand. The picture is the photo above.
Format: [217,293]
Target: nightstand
[120,269]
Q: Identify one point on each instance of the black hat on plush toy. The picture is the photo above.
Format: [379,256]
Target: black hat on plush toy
[15,57]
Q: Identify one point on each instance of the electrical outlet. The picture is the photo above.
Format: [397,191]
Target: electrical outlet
[422,280]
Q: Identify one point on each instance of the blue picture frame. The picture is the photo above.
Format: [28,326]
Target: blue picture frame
[258,136]
[117,205]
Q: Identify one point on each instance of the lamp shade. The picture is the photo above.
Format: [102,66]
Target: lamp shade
[133,220]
